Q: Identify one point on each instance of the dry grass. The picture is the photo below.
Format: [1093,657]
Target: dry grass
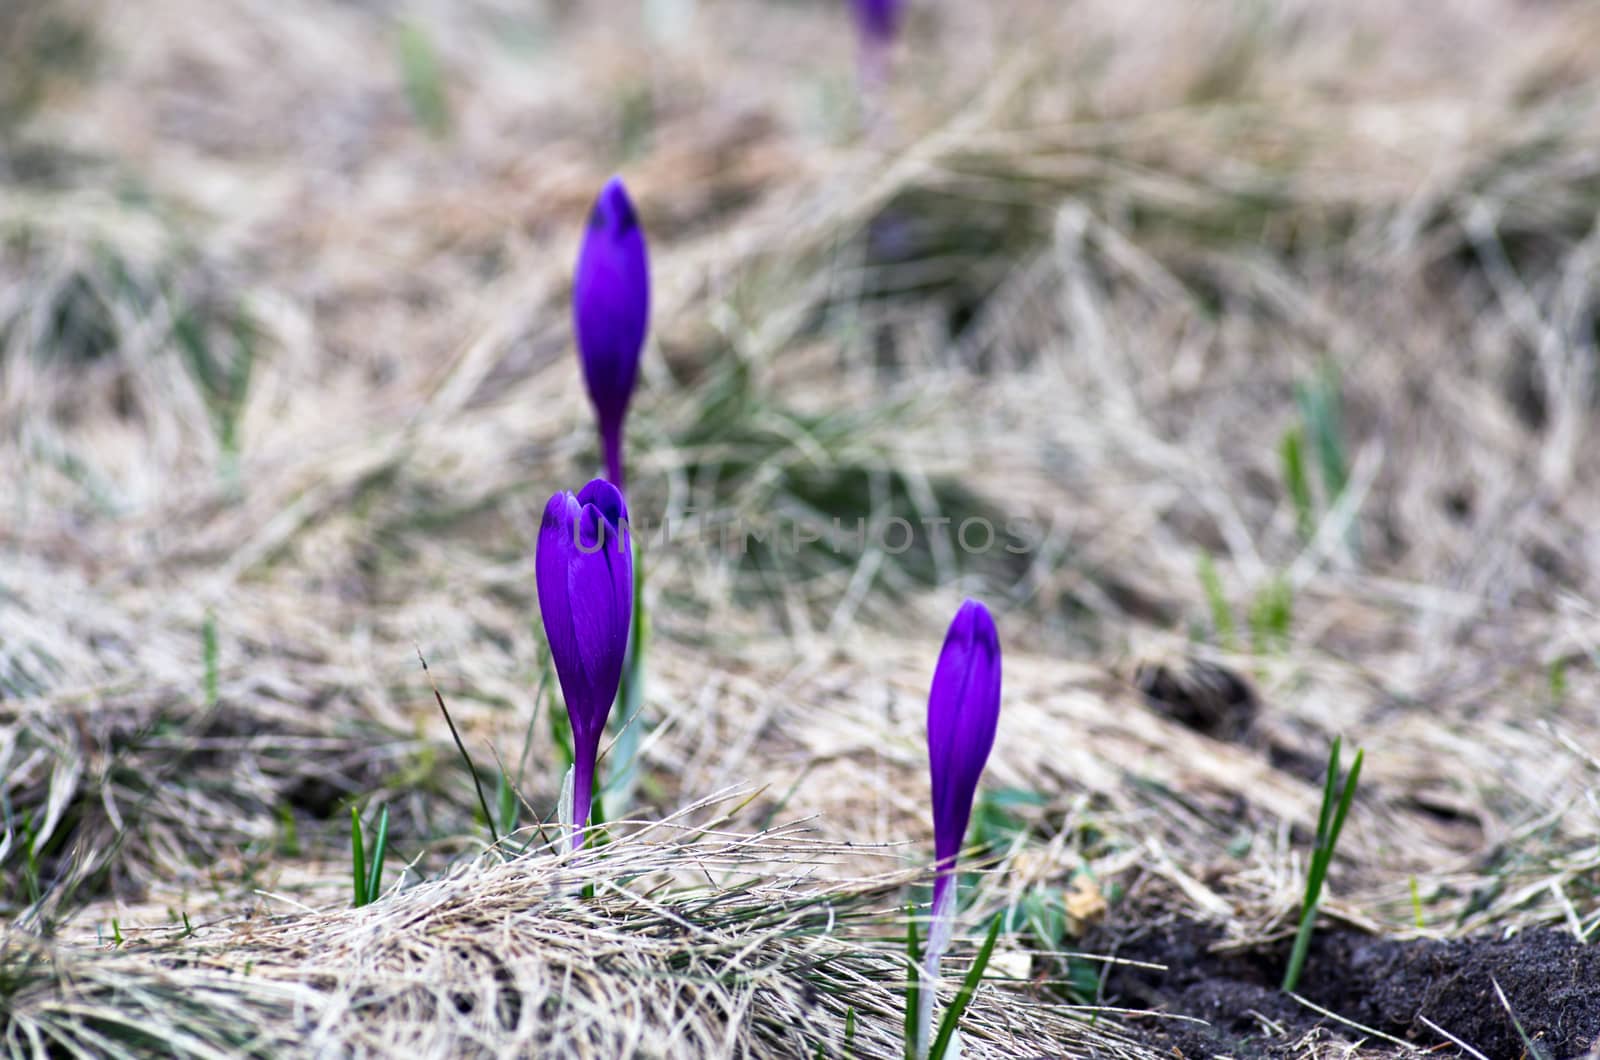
[508,957]
[276,357]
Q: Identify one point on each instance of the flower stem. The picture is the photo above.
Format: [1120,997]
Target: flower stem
[582,791]
[611,444]
[940,926]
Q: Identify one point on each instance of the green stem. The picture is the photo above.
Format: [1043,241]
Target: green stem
[1302,946]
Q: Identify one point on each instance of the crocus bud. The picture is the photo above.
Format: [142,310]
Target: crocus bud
[963,711]
[879,20]
[584,571]
[611,312]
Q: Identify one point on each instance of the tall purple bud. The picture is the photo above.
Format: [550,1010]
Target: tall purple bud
[879,20]
[611,313]
[584,571]
[879,23]
[963,711]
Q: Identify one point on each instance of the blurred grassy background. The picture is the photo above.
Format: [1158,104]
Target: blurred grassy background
[1277,319]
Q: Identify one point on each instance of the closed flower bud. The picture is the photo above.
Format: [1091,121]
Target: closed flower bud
[879,19]
[963,711]
[611,313]
[584,572]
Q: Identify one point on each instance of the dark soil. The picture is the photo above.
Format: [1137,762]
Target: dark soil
[1551,981]
[1202,696]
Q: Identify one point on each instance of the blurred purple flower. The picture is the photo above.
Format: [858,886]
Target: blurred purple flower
[611,312]
[963,710]
[584,571]
[879,19]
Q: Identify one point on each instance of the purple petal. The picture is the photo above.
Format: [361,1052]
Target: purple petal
[552,562]
[600,586]
[963,711]
[611,307]
[584,571]
[879,19]
[607,499]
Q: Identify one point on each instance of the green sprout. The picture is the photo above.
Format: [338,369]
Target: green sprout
[367,881]
[1271,615]
[963,998]
[1319,439]
[1558,681]
[913,981]
[366,877]
[288,832]
[424,79]
[1321,409]
[1298,482]
[208,647]
[1330,822]
[1217,600]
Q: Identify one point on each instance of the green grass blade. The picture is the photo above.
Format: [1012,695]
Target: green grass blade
[1330,823]
[1320,402]
[208,643]
[1302,946]
[424,80]
[963,998]
[1271,615]
[913,981]
[1217,601]
[849,1033]
[472,770]
[358,860]
[1329,786]
[1345,799]
[1295,479]
[380,847]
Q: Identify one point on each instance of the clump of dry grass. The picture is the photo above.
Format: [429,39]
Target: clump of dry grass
[117,790]
[697,941]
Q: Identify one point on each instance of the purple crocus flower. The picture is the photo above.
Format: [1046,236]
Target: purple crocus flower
[611,312]
[879,20]
[584,571]
[963,711]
